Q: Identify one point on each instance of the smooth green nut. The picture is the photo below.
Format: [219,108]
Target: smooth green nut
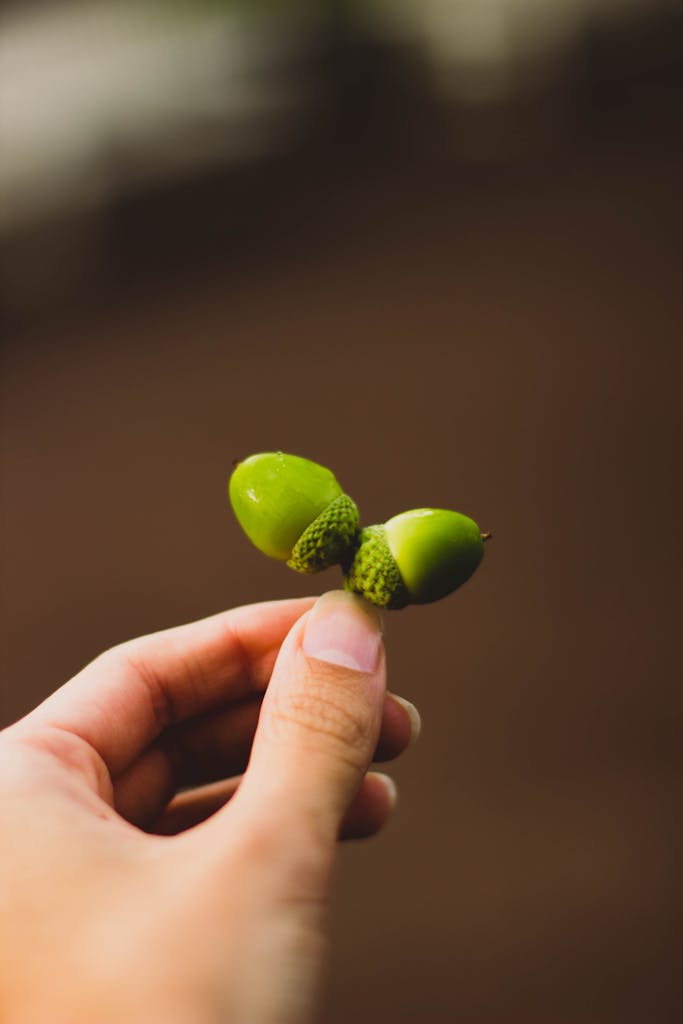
[294,510]
[415,558]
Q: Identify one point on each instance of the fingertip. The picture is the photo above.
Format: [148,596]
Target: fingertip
[389,787]
[343,629]
[401,727]
[372,807]
[413,715]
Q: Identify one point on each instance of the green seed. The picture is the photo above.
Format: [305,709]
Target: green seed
[415,558]
[294,510]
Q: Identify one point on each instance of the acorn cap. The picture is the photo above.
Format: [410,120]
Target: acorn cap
[415,558]
[373,572]
[294,510]
[329,538]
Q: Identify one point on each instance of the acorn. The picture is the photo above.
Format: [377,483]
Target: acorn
[415,558]
[294,510]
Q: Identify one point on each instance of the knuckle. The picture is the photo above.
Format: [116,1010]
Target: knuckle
[71,751]
[324,714]
[130,658]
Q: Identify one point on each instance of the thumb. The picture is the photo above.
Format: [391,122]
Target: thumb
[320,718]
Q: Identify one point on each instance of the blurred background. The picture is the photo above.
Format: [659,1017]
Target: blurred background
[437,247]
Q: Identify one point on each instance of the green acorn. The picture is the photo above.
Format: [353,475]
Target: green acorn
[415,558]
[294,510]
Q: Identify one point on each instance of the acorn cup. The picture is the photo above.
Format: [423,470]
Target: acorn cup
[294,510]
[415,558]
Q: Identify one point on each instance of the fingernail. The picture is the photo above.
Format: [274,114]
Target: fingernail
[390,787]
[343,629]
[413,714]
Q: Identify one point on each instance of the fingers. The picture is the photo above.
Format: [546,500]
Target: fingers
[191,808]
[124,699]
[371,807]
[216,746]
[401,727]
[367,814]
[211,748]
[318,728]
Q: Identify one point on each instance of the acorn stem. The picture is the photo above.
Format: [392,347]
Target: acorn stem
[486,536]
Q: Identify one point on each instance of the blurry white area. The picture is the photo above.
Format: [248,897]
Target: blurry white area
[489,50]
[96,95]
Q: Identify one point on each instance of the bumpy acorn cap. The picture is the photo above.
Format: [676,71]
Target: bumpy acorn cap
[415,558]
[294,510]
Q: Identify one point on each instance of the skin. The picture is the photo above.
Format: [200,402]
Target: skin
[122,899]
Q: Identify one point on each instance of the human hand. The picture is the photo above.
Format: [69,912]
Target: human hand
[124,900]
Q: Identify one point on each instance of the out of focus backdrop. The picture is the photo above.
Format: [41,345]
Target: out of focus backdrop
[436,246]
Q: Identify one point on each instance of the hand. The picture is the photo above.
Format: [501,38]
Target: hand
[122,900]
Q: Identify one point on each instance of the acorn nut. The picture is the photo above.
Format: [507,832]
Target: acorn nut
[415,558]
[294,510]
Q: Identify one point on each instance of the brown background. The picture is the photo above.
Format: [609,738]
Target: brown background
[498,337]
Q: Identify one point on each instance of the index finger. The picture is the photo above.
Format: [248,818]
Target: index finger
[123,700]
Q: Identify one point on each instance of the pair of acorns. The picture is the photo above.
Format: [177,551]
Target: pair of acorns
[295,510]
